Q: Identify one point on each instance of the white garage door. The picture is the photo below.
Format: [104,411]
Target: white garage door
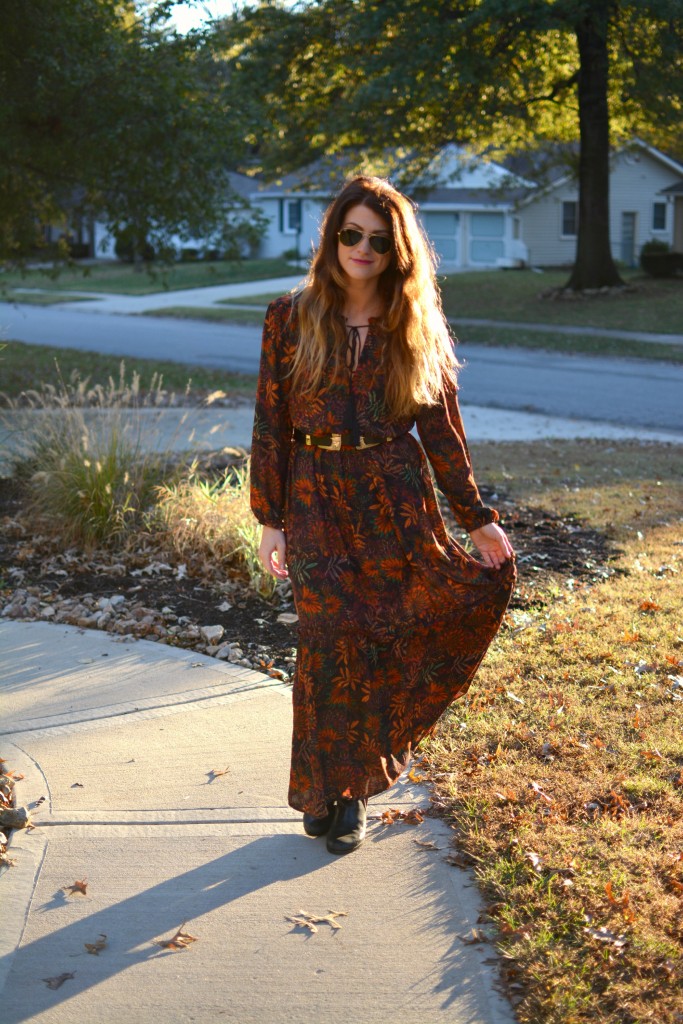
[442,230]
[487,238]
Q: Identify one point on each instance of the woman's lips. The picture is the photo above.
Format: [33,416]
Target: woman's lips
[365,263]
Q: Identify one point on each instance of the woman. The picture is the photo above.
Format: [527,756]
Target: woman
[394,615]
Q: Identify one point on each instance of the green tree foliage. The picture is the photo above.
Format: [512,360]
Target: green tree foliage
[500,76]
[105,111]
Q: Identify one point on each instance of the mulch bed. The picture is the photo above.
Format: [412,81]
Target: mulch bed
[36,575]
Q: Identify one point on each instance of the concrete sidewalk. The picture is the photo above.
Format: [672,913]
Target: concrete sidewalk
[117,741]
[106,302]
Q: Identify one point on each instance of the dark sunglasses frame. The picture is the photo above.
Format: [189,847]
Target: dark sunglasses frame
[352,236]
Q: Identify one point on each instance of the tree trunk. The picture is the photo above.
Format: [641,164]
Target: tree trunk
[594,267]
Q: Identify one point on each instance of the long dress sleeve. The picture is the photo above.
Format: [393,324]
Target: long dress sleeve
[442,434]
[272,434]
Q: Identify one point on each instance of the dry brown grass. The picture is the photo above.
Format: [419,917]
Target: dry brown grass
[562,769]
[212,522]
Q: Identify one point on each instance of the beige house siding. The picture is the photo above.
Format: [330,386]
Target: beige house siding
[636,178]
[541,227]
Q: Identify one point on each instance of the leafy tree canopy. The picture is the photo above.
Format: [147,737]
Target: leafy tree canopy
[105,110]
[412,75]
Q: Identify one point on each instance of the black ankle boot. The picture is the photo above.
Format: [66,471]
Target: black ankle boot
[318,826]
[347,830]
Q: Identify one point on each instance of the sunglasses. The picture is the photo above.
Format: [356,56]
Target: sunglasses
[351,236]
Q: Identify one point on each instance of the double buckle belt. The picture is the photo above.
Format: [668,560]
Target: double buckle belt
[334,442]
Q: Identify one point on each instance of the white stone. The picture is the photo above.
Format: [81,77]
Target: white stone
[212,634]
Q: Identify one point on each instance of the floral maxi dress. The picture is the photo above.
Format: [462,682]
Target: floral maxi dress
[394,615]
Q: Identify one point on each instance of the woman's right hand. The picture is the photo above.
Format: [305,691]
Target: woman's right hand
[272,552]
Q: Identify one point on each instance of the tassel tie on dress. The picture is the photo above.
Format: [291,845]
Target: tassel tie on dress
[352,356]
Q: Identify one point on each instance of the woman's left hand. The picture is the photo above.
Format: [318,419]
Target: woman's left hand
[493,545]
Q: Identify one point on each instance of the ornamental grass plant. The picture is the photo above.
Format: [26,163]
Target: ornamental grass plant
[78,451]
[212,521]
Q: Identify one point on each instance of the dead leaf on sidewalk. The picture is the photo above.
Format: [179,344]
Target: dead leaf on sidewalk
[475,935]
[96,947]
[58,980]
[215,773]
[306,920]
[76,887]
[412,817]
[426,846]
[181,939]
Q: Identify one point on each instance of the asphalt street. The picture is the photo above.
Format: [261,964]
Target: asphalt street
[621,391]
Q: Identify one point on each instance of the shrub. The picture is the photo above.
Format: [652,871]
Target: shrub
[130,245]
[657,259]
[77,454]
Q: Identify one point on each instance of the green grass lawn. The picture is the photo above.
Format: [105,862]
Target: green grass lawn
[121,278]
[39,298]
[514,295]
[214,314]
[554,341]
[23,367]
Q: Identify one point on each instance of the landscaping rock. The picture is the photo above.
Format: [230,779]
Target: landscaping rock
[212,634]
[14,817]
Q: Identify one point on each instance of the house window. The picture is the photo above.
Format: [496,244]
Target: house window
[659,216]
[290,216]
[570,218]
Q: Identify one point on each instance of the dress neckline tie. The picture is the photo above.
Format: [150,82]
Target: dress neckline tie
[353,357]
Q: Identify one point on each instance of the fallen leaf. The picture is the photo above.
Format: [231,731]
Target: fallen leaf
[216,772]
[459,859]
[425,845]
[58,980]
[96,947]
[475,935]
[413,777]
[394,814]
[649,606]
[77,887]
[181,940]
[306,920]
[537,789]
[535,860]
[512,696]
[605,935]
[77,785]
[507,796]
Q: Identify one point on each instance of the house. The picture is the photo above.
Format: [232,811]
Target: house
[466,209]
[646,202]
[481,214]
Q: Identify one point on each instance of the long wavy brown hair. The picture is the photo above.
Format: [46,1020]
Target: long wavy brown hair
[419,354]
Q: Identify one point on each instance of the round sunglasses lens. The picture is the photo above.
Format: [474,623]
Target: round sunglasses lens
[347,236]
[380,244]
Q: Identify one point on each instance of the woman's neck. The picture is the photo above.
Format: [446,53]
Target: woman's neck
[362,301]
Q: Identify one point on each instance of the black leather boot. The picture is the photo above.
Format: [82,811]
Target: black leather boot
[347,830]
[318,826]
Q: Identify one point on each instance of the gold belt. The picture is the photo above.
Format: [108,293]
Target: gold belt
[334,442]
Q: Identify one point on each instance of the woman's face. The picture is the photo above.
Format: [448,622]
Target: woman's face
[360,262]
